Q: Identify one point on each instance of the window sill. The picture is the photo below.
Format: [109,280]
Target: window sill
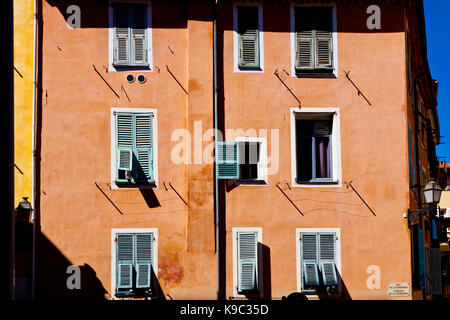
[128,185]
[251,182]
[132,68]
[316,74]
[317,182]
[244,69]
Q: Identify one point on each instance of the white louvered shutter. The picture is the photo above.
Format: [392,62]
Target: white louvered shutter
[144,246]
[327,242]
[124,261]
[310,272]
[247,261]
[139,35]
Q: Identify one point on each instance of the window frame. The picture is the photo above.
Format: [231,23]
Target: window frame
[298,232]
[334,42]
[236,67]
[262,164]
[111,35]
[114,184]
[259,263]
[114,233]
[336,166]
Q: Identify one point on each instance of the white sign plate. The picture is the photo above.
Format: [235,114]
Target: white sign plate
[398,289]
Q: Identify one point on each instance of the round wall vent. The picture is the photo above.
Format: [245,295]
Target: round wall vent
[130,78]
[141,78]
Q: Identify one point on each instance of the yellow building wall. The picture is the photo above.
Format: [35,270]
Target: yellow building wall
[23,98]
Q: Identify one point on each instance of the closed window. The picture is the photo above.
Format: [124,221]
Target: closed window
[412,162]
[134,148]
[130,35]
[313,39]
[134,261]
[318,260]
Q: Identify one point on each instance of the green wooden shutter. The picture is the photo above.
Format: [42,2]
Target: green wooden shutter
[121,35]
[227,160]
[323,38]
[310,272]
[124,265]
[124,143]
[139,35]
[422,262]
[125,160]
[435,271]
[248,31]
[247,261]
[304,39]
[313,36]
[144,246]
[327,252]
[411,170]
[143,172]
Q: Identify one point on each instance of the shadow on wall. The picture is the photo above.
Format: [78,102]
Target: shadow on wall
[51,275]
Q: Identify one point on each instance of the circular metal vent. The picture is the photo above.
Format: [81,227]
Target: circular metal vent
[141,78]
[130,78]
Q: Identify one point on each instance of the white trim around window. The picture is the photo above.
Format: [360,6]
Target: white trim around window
[154,141]
[111,37]
[235,260]
[298,231]
[334,36]
[114,232]
[262,179]
[335,147]
[236,37]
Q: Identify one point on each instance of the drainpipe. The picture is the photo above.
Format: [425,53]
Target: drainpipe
[216,128]
[33,161]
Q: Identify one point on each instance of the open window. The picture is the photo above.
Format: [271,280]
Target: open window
[134,148]
[244,160]
[315,147]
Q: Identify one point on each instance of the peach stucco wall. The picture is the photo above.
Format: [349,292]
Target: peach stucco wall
[373,150]
[77,218]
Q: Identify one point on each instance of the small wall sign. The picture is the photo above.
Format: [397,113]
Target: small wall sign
[398,289]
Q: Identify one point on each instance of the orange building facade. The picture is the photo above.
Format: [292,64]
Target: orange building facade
[313,177]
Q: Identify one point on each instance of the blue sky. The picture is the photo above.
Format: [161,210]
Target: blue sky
[437,17]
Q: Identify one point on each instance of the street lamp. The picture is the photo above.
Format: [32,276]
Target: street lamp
[432,193]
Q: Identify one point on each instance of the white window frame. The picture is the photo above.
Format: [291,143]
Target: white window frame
[111,38]
[262,179]
[298,231]
[335,147]
[236,37]
[235,231]
[153,185]
[335,72]
[114,233]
